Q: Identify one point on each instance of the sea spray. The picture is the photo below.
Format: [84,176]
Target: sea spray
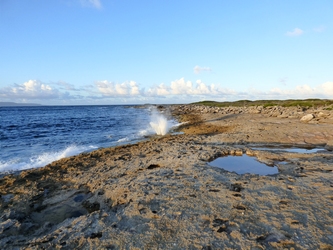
[42,159]
[159,123]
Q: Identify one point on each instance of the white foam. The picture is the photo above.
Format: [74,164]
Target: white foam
[123,139]
[160,125]
[159,122]
[43,159]
[177,125]
[145,132]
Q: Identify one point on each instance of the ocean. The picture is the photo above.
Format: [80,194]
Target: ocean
[35,136]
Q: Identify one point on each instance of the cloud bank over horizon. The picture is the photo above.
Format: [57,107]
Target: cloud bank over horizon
[131,91]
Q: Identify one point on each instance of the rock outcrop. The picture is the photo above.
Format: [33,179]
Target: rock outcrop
[163,194]
[270,111]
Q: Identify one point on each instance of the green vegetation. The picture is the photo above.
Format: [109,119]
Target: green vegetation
[306,103]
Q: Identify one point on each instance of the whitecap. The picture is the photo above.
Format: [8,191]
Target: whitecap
[123,139]
[37,161]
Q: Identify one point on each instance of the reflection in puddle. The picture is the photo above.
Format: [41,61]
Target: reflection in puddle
[243,164]
[295,150]
[79,197]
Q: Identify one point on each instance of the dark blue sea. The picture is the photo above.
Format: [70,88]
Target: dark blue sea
[32,137]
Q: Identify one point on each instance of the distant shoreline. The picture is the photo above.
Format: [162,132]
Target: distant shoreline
[14,104]
[314,102]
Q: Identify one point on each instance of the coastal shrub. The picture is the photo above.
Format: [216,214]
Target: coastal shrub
[306,103]
[269,105]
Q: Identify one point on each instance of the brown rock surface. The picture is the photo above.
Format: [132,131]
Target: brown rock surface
[162,193]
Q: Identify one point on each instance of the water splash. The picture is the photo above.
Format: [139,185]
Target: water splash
[159,123]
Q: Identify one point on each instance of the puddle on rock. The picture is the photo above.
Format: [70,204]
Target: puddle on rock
[58,214]
[283,163]
[293,150]
[80,197]
[243,164]
[58,208]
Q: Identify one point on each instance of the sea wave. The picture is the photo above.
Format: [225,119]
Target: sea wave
[124,139]
[40,160]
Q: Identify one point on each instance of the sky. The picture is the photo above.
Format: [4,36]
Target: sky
[74,52]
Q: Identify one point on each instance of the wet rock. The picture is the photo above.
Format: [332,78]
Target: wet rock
[17,215]
[6,225]
[91,206]
[7,198]
[272,237]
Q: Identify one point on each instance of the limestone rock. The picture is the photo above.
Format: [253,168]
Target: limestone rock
[329,145]
[163,194]
[307,118]
[322,115]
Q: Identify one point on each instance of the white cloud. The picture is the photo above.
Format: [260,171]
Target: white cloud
[31,89]
[65,85]
[324,91]
[107,88]
[197,69]
[187,88]
[295,32]
[327,88]
[91,3]
[160,90]
[177,91]
[182,88]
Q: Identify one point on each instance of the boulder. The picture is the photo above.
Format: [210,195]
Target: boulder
[322,115]
[307,118]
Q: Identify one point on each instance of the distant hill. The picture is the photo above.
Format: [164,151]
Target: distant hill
[10,104]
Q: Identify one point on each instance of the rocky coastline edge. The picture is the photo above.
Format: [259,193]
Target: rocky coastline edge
[163,194]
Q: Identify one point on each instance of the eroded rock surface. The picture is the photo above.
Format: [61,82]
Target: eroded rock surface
[162,194]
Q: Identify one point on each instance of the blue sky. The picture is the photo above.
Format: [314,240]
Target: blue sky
[132,52]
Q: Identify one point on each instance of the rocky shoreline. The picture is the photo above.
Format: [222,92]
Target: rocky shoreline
[163,194]
[313,115]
